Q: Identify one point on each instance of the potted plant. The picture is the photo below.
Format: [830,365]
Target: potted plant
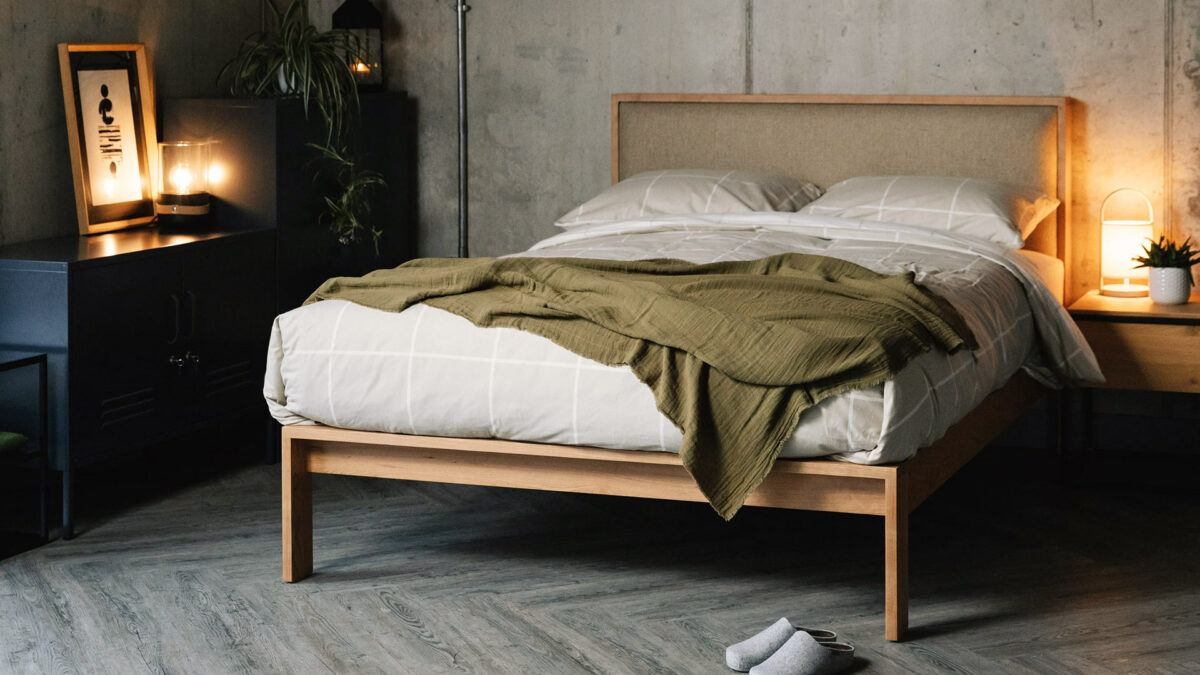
[293,59]
[1170,266]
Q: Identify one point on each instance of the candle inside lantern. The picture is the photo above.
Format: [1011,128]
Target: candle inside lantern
[181,180]
[361,19]
[183,193]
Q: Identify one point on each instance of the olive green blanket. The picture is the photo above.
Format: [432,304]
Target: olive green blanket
[733,351]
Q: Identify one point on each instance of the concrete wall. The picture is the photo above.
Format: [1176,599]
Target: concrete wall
[541,74]
[1183,104]
[188,42]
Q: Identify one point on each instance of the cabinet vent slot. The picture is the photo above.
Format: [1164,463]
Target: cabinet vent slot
[222,380]
[126,407]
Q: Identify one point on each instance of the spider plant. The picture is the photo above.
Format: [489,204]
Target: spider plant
[293,58]
[348,214]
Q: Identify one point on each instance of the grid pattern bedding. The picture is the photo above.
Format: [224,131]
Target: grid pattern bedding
[425,371]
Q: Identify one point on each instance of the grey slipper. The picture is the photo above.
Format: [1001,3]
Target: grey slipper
[818,634]
[758,648]
[803,655]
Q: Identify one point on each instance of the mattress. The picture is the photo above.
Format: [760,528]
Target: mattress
[428,372]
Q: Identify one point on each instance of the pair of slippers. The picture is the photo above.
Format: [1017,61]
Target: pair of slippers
[787,649]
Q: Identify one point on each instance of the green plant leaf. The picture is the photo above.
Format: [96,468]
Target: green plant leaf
[315,65]
[347,214]
[1167,253]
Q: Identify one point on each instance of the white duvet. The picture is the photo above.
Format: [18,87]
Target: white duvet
[425,371]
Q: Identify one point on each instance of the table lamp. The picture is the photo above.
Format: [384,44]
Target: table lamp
[1122,234]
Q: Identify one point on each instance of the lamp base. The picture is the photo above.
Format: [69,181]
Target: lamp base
[168,222]
[1125,290]
[183,212]
[194,204]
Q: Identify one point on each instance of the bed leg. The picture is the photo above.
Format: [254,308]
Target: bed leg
[895,526]
[297,511]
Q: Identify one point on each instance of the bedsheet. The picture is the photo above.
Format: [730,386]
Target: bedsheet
[425,371]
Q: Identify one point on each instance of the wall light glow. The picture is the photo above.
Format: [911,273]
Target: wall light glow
[216,173]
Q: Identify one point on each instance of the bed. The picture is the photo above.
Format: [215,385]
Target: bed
[825,139]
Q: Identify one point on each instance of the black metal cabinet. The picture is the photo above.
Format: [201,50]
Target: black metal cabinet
[232,304]
[151,335]
[262,144]
[118,324]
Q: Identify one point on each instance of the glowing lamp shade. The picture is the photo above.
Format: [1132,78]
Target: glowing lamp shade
[183,189]
[1126,222]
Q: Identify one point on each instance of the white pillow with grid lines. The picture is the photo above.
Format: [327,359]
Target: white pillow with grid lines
[681,191]
[989,210]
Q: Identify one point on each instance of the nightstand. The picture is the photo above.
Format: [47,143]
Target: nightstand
[1141,345]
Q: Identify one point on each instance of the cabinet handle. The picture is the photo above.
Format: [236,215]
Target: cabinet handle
[176,361]
[193,359]
[191,314]
[175,307]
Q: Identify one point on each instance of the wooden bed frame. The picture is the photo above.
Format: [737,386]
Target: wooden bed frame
[890,491]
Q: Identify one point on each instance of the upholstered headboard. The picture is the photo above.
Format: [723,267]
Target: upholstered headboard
[826,139]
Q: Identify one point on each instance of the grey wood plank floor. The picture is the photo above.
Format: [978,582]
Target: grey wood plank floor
[1011,573]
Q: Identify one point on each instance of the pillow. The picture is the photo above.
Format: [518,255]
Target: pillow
[676,191]
[989,210]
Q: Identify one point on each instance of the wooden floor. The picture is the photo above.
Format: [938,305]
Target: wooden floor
[1010,573]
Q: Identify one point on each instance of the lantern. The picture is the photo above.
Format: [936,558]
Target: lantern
[183,185]
[1126,222]
[365,23]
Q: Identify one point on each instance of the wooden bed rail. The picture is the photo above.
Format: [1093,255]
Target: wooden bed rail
[891,491]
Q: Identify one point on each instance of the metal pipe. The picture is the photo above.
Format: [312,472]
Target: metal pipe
[462,8]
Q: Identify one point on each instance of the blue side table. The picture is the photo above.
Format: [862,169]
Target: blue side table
[12,360]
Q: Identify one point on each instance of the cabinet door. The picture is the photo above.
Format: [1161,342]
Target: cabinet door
[229,286]
[124,324]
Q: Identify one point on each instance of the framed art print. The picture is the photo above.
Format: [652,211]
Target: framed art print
[109,99]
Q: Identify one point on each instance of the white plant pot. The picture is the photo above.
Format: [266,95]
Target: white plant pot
[1170,285]
[286,84]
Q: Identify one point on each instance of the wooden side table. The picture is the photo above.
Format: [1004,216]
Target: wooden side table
[1141,345]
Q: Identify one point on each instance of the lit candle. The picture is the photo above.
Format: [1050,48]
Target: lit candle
[181,179]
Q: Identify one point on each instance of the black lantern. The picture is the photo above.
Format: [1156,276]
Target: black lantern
[361,19]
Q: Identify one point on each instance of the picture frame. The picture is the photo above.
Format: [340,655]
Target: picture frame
[108,94]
